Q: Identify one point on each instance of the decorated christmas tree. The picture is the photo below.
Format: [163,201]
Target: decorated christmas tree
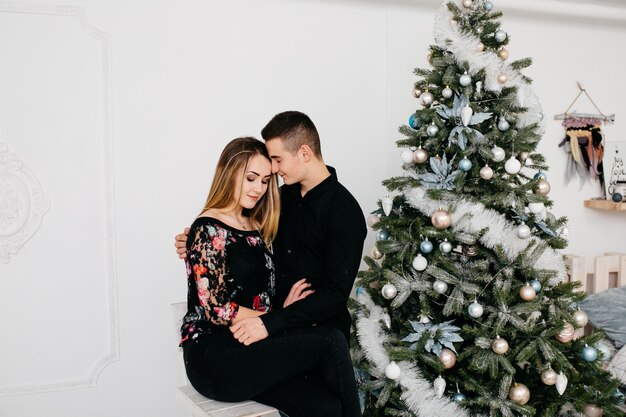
[464,309]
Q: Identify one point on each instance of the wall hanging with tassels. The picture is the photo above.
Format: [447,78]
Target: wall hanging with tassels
[584,141]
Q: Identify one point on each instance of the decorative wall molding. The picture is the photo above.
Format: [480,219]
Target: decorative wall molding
[23,204]
[113,353]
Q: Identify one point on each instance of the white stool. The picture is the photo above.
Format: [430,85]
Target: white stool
[200,406]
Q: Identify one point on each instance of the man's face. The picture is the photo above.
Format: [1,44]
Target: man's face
[289,166]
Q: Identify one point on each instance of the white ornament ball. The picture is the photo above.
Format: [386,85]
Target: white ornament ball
[503,125]
[420,155]
[419,262]
[389,291]
[480,47]
[465,80]
[392,371]
[440,287]
[486,172]
[536,207]
[426,98]
[512,166]
[407,156]
[445,246]
[580,318]
[500,346]
[497,154]
[467,3]
[523,231]
[447,92]
[548,376]
[475,310]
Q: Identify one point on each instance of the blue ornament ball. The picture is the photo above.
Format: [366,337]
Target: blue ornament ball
[359,291]
[488,5]
[426,246]
[536,285]
[540,175]
[458,397]
[619,395]
[589,354]
[382,235]
[465,165]
[413,121]
[617,197]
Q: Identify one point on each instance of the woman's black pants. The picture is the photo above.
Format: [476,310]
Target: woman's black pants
[305,372]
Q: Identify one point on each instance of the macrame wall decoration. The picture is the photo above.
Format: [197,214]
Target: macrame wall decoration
[584,142]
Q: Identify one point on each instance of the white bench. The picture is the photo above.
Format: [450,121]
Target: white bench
[201,406]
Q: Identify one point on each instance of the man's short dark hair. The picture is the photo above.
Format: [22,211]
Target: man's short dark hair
[295,129]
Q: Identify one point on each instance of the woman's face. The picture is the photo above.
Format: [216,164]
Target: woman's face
[255,181]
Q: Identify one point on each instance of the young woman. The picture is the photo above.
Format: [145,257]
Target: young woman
[231,277]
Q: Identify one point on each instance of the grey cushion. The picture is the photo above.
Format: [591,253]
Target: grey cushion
[607,311]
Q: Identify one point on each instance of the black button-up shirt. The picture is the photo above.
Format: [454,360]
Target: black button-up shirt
[320,238]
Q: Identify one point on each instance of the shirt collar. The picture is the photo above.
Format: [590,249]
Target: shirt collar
[319,189]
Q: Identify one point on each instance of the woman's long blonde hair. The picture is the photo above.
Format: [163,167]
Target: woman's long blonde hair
[234,157]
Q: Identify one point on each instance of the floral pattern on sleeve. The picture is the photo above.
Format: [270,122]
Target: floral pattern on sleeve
[207,257]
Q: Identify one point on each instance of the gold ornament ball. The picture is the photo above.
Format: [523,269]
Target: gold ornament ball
[519,393]
[592,410]
[522,156]
[543,187]
[567,334]
[527,293]
[467,3]
[376,254]
[448,358]
[420,155]
[502,78]
[481,47]
[548,376]
[503,54]
[580,318]
[441,219]
[500,346]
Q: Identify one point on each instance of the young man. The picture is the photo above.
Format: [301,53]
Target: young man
[320,235]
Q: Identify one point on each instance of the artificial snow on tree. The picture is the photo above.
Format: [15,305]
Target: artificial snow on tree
[464,309]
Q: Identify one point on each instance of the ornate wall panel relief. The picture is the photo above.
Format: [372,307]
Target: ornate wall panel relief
[56,105]
[22,204]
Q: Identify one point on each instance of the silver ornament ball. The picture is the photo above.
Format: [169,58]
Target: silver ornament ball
[543,187]
[536,207]
[420,155]
[475,310]
[440,287]
[522,231]
[503,125]
[519,393]
[432,130]
[486,172]
[500,35]
[426,98]
[580,318]
[447,92]
[465,80]
[527,293]
[372,219]
[497,154]
[604,353]
[500,346]
[548,376]
[445,246]
[441,219]
[417,92]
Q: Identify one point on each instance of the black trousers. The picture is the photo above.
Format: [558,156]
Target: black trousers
[305,372]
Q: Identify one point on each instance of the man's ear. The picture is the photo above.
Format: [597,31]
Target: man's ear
[305,152]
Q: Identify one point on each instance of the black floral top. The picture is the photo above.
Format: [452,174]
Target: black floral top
[226,268]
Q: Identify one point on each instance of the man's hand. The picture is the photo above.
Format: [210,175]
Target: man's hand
[249,330]
[180,242]
[298,292]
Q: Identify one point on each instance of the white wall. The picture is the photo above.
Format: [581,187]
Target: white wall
[84,307]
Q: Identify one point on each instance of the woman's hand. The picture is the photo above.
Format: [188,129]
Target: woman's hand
[298,292]
[180,242]
[249,330]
